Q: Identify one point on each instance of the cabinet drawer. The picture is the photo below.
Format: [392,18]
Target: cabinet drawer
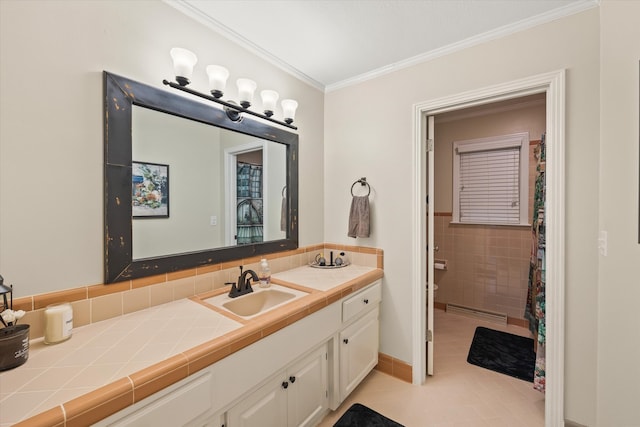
[360,302]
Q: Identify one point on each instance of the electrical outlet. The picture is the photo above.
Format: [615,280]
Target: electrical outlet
[213,220]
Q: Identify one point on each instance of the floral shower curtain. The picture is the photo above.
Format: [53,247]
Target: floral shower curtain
[535,309]
[249,207]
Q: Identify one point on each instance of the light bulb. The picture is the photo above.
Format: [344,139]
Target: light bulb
[183,63]
[246,88]
[217,79]
[269,100]
[289,110]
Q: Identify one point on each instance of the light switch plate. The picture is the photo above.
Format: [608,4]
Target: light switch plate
[602,243]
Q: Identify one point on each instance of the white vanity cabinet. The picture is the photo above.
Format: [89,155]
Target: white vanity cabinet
[308,394]
[180,404]
[296,396]
[291,377]
[358,352]
[266,405]
[359,338]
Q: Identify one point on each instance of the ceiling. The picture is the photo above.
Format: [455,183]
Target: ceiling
[335,43]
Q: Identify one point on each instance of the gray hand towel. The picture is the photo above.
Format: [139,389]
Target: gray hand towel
[359,217]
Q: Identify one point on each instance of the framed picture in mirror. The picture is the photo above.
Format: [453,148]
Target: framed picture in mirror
[149,190]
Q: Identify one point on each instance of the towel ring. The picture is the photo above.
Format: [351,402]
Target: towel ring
[363,182]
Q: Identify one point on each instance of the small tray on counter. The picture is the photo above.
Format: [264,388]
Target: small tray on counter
[315,265]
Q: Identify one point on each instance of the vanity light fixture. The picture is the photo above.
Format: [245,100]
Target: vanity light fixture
[289,107]
[183,63]
[269,101]
[218,76]
[246,88]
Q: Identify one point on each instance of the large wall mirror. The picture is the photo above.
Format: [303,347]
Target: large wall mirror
[187,187]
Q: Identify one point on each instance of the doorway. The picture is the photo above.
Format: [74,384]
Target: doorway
[244,194]
[482,232]
[552,85]
[249,217]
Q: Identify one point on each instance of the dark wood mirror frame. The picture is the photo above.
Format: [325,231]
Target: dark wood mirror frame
[120,95]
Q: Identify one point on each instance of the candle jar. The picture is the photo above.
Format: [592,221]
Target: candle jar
[58,323]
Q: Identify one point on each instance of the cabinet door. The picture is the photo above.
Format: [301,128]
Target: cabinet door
[265,407]
[358,352]
[183,404]
[308,389]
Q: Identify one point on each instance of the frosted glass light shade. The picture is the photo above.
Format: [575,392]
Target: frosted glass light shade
[246,88]
[269,100]
[289,110]
[218,76]
[183,62]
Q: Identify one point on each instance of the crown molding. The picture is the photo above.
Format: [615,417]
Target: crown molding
[203,18]
[570,9]
[197,14]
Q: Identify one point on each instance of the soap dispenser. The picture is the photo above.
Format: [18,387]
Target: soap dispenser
[264,274]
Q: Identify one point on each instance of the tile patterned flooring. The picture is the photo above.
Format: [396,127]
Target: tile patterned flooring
[459,394]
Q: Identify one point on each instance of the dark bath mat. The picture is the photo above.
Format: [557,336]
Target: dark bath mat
[503,352]
[360,416]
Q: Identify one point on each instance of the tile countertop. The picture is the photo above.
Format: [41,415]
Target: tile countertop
[321,279]
[112,358]
[102,352]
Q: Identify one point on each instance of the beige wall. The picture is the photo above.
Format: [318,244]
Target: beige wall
[50,72]
[155,135]
[51,142]
[375,140]
[618,330]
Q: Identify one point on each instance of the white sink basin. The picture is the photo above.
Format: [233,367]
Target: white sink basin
[258,302]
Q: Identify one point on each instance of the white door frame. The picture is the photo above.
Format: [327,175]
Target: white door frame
[553,84]
[430,165]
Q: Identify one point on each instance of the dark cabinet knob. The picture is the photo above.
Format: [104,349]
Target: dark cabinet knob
[285,384]
[346,340]
[292,379]
[366,301]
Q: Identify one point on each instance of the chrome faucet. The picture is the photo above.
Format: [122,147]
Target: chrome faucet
[244,283]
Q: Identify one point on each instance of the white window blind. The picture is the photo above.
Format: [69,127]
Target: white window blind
[489,186]
[490,180]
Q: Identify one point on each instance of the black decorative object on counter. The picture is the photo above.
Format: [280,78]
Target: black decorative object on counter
[14,346]
[321,262]
[14,338]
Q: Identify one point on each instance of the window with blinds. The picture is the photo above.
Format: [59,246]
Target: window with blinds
[490,180]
